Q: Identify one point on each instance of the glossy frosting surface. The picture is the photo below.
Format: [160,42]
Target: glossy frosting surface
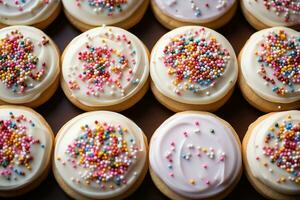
[193,10]
[100,154]
[26,12]
[25,146]
[98,12]
[273,152]
[270,64]
[193,65]
[29,63]
[105,66]
[195,155]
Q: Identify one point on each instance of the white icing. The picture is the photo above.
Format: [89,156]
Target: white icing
[101,37]
[210,94]
[46,54]
[72,130]
[95,17]
[270,17]
[250,66]
[254,149]
[40,155]
[180,136]
[33,11]
[194,11]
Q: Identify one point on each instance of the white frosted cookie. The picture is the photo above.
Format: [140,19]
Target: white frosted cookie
[25,150]
[195,155]
[39,13]
[195,67]
[270,67]
[176,13]
[87,14]
[107,68]
[29,66]
[271,155]
[100,155]
[273,12]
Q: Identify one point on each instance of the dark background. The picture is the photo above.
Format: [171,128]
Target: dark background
[148,113]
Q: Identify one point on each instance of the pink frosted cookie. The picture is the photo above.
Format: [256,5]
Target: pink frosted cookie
[195,155]
[209,13]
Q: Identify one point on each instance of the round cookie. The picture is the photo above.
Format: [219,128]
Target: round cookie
[100,155]
[29,66]
[271,149]
[262,14]
[193,68]
[25,150]
[195,155]
[270,70]
[176,13]
[38,13]
[88,14]
[106,68]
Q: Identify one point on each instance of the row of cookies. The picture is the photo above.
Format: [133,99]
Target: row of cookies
[192,155]
[191,68]
[88,14]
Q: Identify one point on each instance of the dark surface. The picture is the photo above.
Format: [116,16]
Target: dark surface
[148,113]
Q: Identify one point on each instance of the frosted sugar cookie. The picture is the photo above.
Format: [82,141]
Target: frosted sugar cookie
[100,155]
[271,149]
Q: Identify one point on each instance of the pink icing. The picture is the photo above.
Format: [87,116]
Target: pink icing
[195,155]
[194,10]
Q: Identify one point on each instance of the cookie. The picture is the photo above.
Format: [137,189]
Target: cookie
[195,155]
[270,71]
[193,68]
[38,13]
[100,155]
[175,13]
[25,150]
[106,68]
[29,66]
[271,155]
[88,14]
[262,14]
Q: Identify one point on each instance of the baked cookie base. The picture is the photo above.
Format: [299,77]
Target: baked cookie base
[172,23]
[260,187]
[177,106]
[173,195]
[256,23]
[43,24]
[47,165]
[134,19]
[75,195]
[256,101]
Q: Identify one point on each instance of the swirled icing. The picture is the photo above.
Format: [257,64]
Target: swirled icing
[105,66]
[270,64]
[26,12]
[195,155]
[29,63]
[118,144]
[194,65]
[24,134]
[274,12]
[273,151]
[194,11]
[95,12]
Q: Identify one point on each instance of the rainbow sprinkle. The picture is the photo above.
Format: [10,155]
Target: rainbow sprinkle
[283,7]
[18,64]
[105,152]
[16,146]
[195,62]
[281,55]
[282,147]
